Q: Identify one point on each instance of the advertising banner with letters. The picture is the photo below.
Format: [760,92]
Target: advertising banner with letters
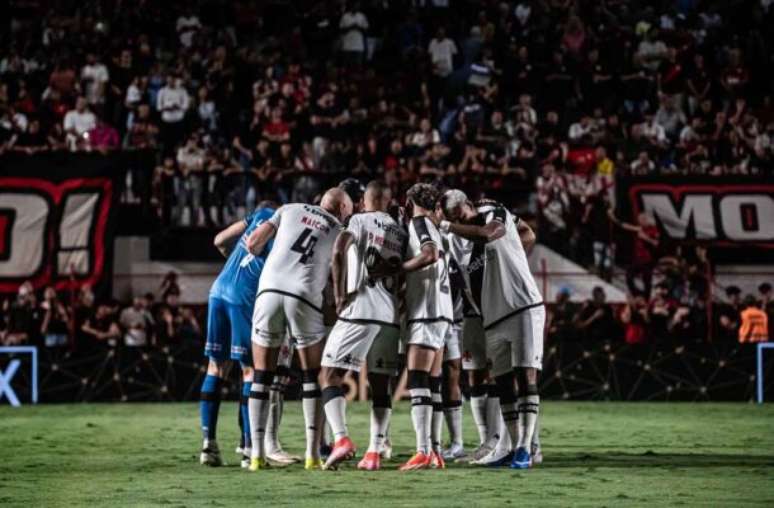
[717,212]
[57,213]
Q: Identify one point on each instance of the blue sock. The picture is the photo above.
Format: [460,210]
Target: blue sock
[210,405]
[243,412]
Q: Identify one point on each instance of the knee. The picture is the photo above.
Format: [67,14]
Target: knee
[329,377]
[216,368]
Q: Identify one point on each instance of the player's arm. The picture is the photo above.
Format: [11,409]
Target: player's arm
[526,234]
[227,239]
[260,237]
[427,256]
[339,268]
[488,232]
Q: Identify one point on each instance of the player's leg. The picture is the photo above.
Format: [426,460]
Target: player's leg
[244,415]
[274,452]
[382,361]
[425,341]
[346,349]
[474,362]
[436,427]
[216,349]
[452,395]
[527,360]
[268,331]
[498,350]
[419,363]
[240,318]
[311,401]
[264,361]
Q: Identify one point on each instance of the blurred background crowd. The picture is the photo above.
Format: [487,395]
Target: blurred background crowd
[547,105]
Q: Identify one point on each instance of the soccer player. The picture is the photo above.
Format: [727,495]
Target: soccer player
[367,311]
[228,325]
[512,310]
[429,316]
[451,405]
[290,298]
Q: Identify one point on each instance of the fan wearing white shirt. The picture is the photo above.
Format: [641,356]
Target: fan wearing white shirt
[94,76]
[442,51]
[172,103]
[353,25]
[78,122]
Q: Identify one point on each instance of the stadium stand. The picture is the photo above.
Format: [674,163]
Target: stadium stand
[551,106]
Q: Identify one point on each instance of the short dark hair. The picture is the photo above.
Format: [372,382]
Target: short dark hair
[764,288]
[423,194]
[353,188]
[733,290]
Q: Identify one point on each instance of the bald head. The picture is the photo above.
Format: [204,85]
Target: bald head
[377,196]
[337,202]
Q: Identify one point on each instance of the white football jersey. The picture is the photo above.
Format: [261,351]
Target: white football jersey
[457,251]
[506,285]
[428,293]
[299,263]
[376,235]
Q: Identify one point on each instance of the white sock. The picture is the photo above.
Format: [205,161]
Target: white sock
[494,417]
[336,411]
[380,423]
[504,443]
[536,435]
[421,417]
[437,424]
[313,418]
[478,410]
[258,411]
[453,416]
[276,405]
[529,407]
[511,420]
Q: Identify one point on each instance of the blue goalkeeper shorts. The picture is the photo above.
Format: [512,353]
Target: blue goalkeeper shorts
[228,331]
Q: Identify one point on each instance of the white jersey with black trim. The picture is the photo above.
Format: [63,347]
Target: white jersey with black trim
[428,294]
[299,263]
[376,237]
[458,252]
[507,285]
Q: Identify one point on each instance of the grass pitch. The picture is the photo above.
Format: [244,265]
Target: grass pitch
[596,454]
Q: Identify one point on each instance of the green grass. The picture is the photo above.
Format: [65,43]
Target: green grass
[596,454]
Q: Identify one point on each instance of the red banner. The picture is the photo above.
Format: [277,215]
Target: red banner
[55,231]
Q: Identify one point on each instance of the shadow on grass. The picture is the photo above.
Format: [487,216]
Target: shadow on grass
[652,459]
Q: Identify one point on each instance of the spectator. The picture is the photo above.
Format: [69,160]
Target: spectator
[635,320]
[646,245]
[137,323]
[353,25]
[101,329]
[173,103]
[189,184]
[94,80]
[561,325]
[103,137]
[23,317]
[56,319]
[754,325]
[595,321]
[187,26]
[77,125]
[728,314]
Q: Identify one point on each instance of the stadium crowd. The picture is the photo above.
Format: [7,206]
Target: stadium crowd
[79,322]
[547,105]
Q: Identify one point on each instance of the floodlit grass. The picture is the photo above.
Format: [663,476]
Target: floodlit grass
[596,454]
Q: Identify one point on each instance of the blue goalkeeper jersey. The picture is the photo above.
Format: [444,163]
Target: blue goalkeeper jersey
[237,282]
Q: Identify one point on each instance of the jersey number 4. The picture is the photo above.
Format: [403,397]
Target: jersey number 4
[304,245]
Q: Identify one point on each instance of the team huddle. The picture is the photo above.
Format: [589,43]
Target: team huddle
[444,281]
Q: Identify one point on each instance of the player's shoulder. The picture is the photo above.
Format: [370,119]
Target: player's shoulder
[424,229]
[260,215]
